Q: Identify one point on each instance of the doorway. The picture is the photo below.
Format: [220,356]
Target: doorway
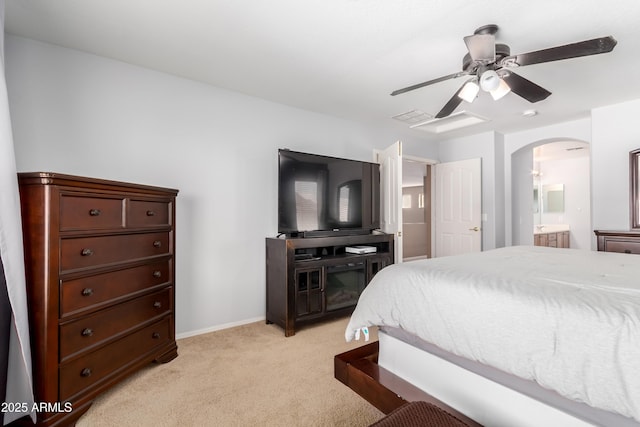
[551,188]
[416,209]
[458,196]
[392,179]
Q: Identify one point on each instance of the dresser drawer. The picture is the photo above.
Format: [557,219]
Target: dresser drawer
[93,251]
[91,330]
[144,213]
[82,373]
[628,247]
[90,292]
[79,212]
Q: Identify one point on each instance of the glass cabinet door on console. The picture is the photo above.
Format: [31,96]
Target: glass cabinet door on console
[374,265]
[308,291]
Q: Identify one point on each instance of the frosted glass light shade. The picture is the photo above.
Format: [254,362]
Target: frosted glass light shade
[489,80]
[502,89]
[469,91]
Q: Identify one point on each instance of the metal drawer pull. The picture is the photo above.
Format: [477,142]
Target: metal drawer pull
[95,212]
[157,304]
[87,292]
[157,273]
[157,243]
[87,332]
[155,335]
[85,372]
[86,252]
[151,213]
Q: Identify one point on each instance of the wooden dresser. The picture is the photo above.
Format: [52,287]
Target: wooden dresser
[100,284]
[619,241]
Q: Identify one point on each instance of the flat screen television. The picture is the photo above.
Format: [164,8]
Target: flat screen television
[322,196]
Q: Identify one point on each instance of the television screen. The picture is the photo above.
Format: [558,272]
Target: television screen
[327,194]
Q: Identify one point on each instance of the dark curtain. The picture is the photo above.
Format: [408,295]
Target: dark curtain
[5,328]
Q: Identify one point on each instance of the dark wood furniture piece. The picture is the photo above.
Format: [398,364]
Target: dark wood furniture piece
[634,188]
[359,370]
[99,261]
[314,278]
[626,241]
[619,241]
[558,239]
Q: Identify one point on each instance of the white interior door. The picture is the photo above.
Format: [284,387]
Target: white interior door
[390,161]
[458,207]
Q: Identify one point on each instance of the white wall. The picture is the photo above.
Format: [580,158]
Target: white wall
[615,134]
[611,131]
[574,174]
[82,114]
[521,181]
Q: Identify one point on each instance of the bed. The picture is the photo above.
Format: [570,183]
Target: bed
[512,336]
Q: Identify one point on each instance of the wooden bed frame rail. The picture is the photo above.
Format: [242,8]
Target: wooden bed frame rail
[358,369]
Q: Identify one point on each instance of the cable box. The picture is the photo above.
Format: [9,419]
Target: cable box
[361,250]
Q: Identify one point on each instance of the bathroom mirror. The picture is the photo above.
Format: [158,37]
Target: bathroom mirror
[553,198]
[634,188]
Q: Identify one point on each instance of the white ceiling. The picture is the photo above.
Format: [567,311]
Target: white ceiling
[344,57]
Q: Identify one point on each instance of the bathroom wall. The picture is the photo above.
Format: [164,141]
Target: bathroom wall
[575,175]
[414,225]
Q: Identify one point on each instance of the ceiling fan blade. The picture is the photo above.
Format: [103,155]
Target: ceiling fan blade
[524,88]
[427,83]
[450,106]
[482,47]
[574,50]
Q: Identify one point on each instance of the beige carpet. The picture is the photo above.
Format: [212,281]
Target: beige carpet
[250,375]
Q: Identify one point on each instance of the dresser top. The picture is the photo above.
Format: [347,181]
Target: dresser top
[52,178]
[617,232]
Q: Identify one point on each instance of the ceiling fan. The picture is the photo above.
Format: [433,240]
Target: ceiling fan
[489,63]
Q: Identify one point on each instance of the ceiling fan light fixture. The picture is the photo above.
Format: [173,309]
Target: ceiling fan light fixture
[469,91]
[488,63]
[502,89]
[489,80]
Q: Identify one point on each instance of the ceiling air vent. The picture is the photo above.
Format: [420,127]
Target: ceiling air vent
[449,123]
[412,117]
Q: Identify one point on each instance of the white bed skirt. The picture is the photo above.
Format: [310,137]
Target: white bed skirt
[484,400]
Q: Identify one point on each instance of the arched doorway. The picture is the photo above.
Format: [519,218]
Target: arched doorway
[561,166]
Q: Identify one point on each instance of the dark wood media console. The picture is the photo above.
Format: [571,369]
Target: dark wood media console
[310,279]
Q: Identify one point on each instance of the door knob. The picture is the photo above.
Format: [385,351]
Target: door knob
[474,229]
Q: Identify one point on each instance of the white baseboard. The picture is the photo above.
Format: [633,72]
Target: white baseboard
[218,327]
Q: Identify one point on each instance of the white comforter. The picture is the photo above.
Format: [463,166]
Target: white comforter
[566,318]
